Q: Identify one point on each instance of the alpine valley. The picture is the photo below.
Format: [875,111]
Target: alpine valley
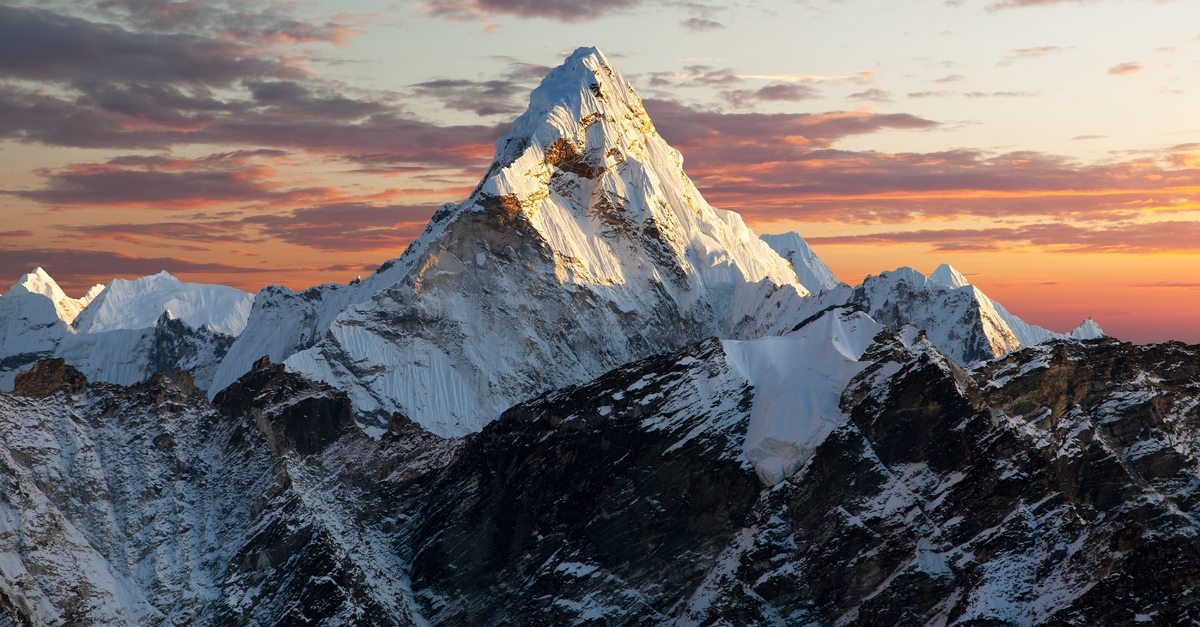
[584,396]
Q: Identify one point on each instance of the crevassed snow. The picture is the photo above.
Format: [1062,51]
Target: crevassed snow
[137,304]
[812,272]
[798,381]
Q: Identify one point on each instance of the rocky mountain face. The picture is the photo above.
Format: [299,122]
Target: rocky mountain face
[1054,486]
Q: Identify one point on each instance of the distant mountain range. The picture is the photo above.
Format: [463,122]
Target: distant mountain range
[585,396]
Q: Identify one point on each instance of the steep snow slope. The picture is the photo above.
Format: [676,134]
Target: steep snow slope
[283,323]
[584,247]
[1027,334]
[137,304]
[129,356]
[38,282]
[798,381]
[814,275]
[30,329]
[1087,330]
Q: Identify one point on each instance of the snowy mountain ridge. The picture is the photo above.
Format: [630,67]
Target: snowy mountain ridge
[121,333]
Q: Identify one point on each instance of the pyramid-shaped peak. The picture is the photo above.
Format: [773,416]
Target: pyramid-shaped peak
[585,79]
[947,276]
[584,101]
[1088,330]
[38,282]
[585,169]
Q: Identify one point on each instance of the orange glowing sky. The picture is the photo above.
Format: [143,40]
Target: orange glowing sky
[1048,149]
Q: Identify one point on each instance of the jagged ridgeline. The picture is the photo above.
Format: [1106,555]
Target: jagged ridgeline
[585,396]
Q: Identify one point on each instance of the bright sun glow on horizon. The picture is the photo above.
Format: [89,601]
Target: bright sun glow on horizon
[1047,149]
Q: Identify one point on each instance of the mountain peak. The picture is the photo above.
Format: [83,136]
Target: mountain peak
[1088,330]
[139,303]
[39,282]
[814,275]
[584,247]
[947,276]
[584,167]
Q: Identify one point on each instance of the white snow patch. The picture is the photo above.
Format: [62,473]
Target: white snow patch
[798,381]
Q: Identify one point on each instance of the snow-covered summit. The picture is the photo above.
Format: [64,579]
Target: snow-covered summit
[947,276]
[139,303]
[585,246]
[39,282]
[1087,330]
[957,317]
[813,274]
[585,166]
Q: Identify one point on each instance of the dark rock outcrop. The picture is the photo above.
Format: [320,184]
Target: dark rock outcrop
[610,500]
[294,414]
[49,376]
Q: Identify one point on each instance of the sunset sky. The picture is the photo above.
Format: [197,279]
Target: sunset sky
[1050,150]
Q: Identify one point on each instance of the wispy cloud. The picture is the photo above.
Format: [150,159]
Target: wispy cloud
[701,25]
[1126,69]
[779,92]
[873,95]
[1024,54]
